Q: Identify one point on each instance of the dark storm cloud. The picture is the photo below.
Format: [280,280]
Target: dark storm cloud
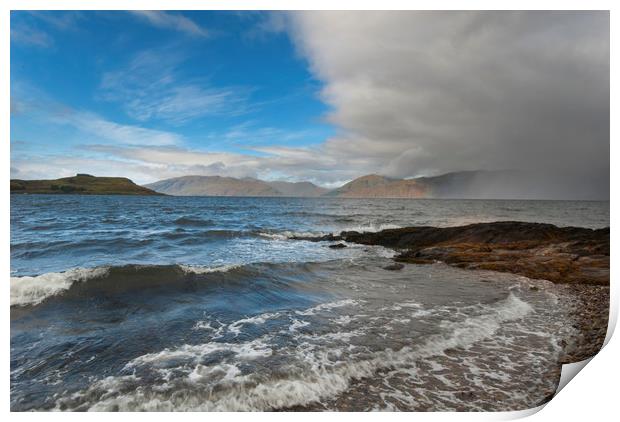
[417,93]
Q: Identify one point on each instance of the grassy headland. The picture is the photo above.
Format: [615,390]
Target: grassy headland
[81,184]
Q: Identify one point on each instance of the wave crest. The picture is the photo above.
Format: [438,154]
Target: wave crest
[33,290]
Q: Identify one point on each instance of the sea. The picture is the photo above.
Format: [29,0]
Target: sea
[161,303]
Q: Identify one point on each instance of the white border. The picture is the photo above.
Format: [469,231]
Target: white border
[591,394]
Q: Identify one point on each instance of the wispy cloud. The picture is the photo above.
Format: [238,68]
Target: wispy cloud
[26,34]
[99,127]
[176,22]
[149,87]
[64,20]
[31,27]
[250,134]
[36,104]
[265,24]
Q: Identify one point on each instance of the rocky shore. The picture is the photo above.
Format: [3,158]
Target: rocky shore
[590,316]
[577,258]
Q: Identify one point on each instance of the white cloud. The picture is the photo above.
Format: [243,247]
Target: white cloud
[34,103]
[151,163]
[150,88]
[100,128]
[176,22]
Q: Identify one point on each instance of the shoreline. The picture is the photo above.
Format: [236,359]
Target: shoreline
[590,320]
[572,257]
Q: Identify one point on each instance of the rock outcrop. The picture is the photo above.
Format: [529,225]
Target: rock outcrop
[535,250]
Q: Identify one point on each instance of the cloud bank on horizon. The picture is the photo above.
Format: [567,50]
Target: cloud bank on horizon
[318,96]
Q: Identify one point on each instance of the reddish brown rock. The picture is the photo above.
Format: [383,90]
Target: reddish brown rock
[535,250]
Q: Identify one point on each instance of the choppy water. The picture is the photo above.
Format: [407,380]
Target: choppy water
[170,303]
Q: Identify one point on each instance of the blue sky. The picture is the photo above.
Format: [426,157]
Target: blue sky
[84,83]
[320,96]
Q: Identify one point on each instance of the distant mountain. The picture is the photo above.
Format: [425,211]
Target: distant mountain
[375,186]
[213,186]
[230,186]
[482,184]
[298,188]
[463,184]
[82,184]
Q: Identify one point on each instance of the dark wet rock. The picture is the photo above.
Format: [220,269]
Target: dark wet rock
[338,246]
[394,267]
[326,238]
[535,250]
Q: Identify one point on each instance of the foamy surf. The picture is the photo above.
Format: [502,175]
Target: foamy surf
[33,290]
[198,269]
[315,373]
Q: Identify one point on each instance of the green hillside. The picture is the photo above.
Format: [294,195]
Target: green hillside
[82,184]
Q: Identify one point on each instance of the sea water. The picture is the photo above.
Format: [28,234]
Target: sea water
[198,303]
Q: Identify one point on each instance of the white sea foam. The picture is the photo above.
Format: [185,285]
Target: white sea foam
[323,374]
[297,324]
[33,290]
[368,228]
[235,327]
[328,306]
[343,320]
[199,269]
[206,325]
[196,352]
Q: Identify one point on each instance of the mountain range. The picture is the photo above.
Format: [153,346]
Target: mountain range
[464,184]
[230,186]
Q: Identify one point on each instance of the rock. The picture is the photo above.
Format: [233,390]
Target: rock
[394,267]
[540,251]
[338,246]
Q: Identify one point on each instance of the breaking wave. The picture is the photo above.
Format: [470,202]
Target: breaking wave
[32,290]
[190,383]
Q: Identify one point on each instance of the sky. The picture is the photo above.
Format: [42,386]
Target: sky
[318,96]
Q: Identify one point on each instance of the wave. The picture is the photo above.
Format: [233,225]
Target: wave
[190,383]
[32,290]
[148,279]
